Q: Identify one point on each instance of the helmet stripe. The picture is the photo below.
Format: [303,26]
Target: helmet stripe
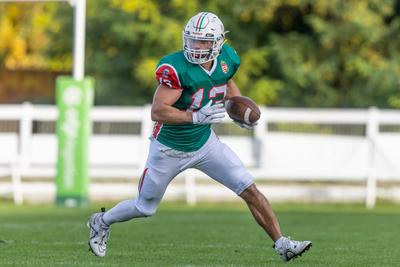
[198,22]
[201,22]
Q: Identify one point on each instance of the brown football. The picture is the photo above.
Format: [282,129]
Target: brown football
[242,109]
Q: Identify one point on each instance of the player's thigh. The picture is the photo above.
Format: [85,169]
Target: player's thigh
[224,166]
[160,169]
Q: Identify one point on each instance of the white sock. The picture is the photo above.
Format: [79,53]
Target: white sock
[123,211]
[278,243]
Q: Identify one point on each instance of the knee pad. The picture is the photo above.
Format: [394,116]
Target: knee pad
[147,206]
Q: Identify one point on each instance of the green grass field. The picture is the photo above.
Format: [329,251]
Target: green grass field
[205,235]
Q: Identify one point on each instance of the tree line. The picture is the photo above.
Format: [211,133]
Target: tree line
[295,53]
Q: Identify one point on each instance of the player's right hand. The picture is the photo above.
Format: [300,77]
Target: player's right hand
[209,114]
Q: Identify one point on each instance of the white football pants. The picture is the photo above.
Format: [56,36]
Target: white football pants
[215,159]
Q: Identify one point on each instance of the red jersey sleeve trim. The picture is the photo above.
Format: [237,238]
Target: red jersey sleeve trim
[167,74]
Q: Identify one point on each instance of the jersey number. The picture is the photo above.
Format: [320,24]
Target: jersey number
[214,92]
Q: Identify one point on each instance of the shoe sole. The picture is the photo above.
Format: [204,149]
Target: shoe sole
[88,225]
[301,253]
[90,248]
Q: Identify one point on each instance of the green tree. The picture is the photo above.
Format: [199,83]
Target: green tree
[325,53]
[23,35]
[311,53]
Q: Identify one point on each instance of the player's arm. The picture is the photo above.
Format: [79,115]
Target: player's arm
[232,89]
[168,92]
[162,109]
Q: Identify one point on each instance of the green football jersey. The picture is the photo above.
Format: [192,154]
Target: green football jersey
[198,86]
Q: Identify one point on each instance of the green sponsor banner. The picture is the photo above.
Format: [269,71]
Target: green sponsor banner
[74,100]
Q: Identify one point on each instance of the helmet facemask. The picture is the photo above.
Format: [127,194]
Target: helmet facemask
[201,50]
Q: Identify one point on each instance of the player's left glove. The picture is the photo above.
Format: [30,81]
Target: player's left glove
[245,125]
[209,114]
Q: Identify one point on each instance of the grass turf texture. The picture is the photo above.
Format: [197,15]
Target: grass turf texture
[205,235]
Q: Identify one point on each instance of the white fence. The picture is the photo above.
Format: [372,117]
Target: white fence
[272,153]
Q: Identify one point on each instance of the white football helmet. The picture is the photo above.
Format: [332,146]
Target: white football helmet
[203,38]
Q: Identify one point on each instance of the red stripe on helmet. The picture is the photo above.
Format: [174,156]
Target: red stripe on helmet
[201,22]
[198,21]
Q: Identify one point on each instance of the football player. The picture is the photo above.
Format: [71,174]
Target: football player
[193,84]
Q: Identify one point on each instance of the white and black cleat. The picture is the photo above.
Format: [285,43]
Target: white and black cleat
[291,249]
[99,233]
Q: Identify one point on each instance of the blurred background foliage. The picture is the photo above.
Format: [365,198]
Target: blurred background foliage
[303,53]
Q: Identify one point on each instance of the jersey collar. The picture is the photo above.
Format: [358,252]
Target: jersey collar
[210,72]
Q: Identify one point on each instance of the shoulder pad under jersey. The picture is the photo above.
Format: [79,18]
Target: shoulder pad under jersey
[231,53]
[169,70]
